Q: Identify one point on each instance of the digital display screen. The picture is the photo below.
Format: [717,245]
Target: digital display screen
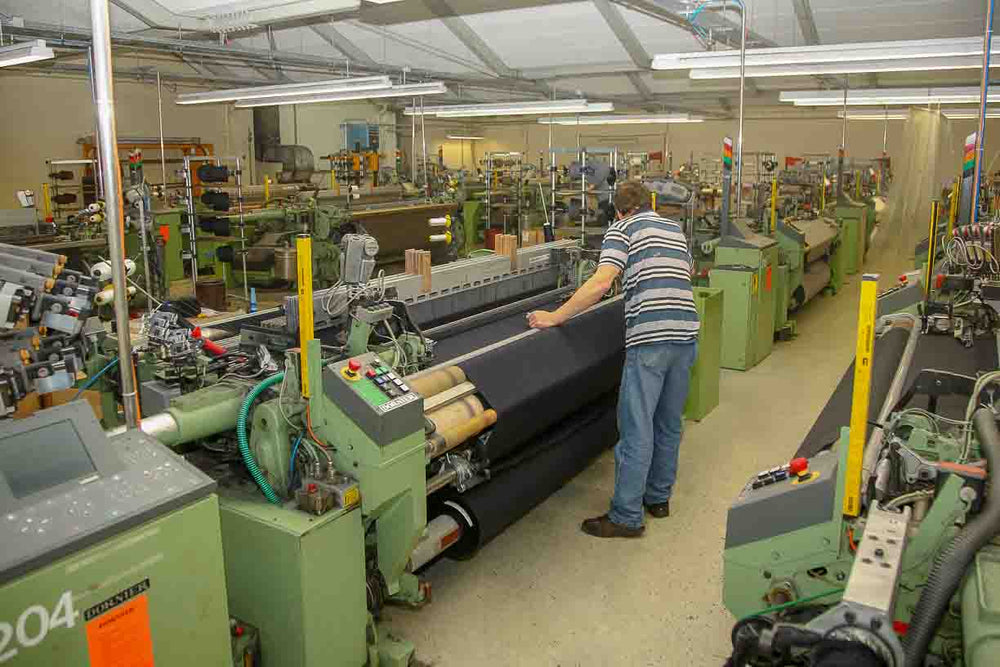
[44,457]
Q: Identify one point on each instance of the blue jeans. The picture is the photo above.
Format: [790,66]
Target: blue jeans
[650,421]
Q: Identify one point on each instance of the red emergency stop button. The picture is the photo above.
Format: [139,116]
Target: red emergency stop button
[798,466]
[354,365]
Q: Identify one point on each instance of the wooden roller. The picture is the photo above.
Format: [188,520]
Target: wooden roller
[442,442]
[455,413]
[437,381]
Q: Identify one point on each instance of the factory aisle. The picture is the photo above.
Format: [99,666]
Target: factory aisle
[543,593]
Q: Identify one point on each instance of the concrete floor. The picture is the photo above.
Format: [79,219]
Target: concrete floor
[543,593]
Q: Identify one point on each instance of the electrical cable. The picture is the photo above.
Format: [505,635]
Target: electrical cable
[94,378]
[793,603]
[291,462]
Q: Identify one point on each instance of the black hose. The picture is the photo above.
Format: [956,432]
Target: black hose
[950,565]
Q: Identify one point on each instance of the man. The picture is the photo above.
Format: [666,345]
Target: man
[661,332]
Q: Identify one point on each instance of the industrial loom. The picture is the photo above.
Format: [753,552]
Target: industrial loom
[324,452]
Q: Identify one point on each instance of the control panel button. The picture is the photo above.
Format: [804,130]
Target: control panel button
[354,365]
[397,382]
[798,466]
[404,388]
[370,373]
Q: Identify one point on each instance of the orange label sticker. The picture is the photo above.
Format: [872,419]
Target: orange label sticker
[767,279]
[121,637]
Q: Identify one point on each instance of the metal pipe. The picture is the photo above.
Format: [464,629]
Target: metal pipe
[115,216]
[413,146]
[192,228]
[984,87]
[423,141]
[163,151]
[144,242]
[874,445]
[739,140]
[441,480]
[243,235]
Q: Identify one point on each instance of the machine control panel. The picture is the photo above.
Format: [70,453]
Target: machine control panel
[375,397]
[65,485]
[784,499]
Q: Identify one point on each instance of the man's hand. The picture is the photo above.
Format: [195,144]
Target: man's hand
[542,319]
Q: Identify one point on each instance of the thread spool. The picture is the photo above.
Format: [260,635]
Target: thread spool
[129,267]
[101,271]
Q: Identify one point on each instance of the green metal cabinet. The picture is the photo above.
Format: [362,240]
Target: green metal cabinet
[300,579]
[745,272]
[159,586]
[703,394]
[853,220]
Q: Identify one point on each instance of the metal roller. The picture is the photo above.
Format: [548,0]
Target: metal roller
[456,413]
[444,441]
[436,381]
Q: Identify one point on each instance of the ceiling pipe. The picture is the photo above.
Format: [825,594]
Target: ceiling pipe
[104,97]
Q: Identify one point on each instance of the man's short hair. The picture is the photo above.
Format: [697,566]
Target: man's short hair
[631,196]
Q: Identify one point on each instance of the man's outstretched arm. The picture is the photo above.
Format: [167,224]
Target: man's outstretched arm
[585,297]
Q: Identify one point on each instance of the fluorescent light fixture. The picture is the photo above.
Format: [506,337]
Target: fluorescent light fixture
[512,109]
[464,137]
[885,96]
[286,89]
[903,114]
[404,90]
[25,52]
[969,114]
[858,57]
[621,120]
[858,67]
[891,114]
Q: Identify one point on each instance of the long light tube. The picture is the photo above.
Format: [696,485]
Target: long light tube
[852,67]
[465,137]
[620,120]
[513,109]
[405,90]
[885,96]
[827,53]
[283,90]
[903,114]
[25,52]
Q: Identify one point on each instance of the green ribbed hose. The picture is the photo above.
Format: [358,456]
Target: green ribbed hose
[241,436]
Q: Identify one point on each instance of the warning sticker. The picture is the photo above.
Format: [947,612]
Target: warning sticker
[118,630]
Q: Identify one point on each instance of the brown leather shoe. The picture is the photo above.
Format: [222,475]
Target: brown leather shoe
[659,510]
[602,526]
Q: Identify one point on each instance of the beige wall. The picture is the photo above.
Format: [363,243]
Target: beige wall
[44,116]
[785,137]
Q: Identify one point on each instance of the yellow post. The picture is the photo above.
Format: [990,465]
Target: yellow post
[822,194]
[862,394]
[46,201]
[931,248]
[774,205]
[652,201]
[857,185]
[303,247]
[953,210]
[267,189]
[333,182]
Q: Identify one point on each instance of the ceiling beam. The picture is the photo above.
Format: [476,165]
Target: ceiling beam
[807,24]
[639,85]
[337,40]
[624,33]
[469,37]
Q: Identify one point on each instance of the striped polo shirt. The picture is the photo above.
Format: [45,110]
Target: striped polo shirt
[652,254]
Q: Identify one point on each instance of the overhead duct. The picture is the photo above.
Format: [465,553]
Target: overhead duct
[297,162]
